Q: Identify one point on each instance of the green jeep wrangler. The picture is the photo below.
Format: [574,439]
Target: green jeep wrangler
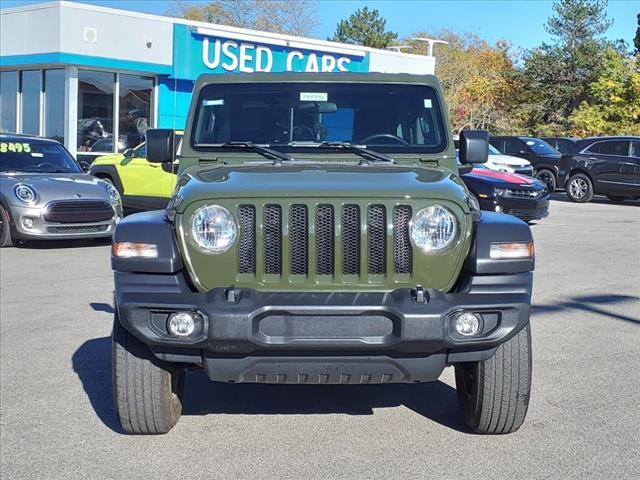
[319,233]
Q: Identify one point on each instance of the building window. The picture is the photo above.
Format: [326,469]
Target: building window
[30,102]
[95,111]
[8,101]
[135,109]
[54,104]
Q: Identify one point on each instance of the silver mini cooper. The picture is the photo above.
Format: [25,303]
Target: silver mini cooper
[45,195]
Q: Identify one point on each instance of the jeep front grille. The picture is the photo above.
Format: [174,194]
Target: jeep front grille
[325,241]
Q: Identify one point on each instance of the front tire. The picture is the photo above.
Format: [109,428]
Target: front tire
[548,178]
[147,393]
[580,188]
[494,394]
[5,228]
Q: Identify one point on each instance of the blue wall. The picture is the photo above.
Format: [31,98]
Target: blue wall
[194,55]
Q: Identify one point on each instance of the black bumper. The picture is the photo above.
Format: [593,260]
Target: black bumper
[525,208]
[316,337]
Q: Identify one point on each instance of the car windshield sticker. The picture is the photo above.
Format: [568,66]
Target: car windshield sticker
[314,96]
[15,147]
[427,103]
[531,142]
[37,154]
[213,103]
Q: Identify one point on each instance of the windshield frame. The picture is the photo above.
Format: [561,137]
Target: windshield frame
[311,147]
[41,141]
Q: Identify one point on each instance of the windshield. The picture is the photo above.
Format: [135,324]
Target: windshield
[493,150]
[389,117]
[540,147]
[34,156]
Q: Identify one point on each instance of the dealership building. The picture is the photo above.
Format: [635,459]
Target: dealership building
[87,75]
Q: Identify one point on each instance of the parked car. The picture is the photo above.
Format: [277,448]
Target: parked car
[519,195]
[562,144]
[506,163]
[602,165]
[321,261]
[543,157]
[143,185]
[45,195]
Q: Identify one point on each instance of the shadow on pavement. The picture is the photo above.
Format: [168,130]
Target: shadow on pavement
[592,304]
[102,307]
[435,401]
[562,197]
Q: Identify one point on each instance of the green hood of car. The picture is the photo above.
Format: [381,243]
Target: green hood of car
[322,180]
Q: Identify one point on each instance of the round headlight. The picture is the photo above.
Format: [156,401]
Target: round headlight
[25,193]
[213,228]
[433,229]
[112,191]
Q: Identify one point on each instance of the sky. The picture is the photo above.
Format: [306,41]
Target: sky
[519,21]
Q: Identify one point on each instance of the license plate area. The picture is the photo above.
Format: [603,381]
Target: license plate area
[369,328]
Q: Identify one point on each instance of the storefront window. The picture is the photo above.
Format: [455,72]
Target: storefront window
[8,96]
[30,102]
[54,104]
[136,99]
[95,111]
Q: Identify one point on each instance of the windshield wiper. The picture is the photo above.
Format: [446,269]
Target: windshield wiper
[264,151]
[361,151]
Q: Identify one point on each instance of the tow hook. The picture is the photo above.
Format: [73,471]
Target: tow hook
[419,295]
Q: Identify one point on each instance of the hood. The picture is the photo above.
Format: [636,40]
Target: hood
[501,179]
[58,186]
[323,181]
[508,160]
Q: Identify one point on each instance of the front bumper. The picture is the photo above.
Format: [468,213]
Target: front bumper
[44,230]
[317,337]
[525,208]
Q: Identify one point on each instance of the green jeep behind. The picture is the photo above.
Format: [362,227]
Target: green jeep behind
[319,233]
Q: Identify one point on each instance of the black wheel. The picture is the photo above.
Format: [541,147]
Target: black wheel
[548,178]
[580,188]
[5,229]
[147,393]
[616,198]
[494,394]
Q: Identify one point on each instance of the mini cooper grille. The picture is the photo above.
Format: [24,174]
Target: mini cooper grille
[315,245]
[247,241]
[78,211]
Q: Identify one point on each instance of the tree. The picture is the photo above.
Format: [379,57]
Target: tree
[636,41]
[479,80]
[613,107]
[364,27]
[293,17]
[558,75]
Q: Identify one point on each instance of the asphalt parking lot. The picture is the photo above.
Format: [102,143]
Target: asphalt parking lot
[57,419]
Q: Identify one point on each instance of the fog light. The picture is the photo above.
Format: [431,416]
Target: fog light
[498,208]
[28,223]
[467,324]
[181,324]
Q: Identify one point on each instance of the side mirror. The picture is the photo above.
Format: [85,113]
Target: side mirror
[465,168]
[161,145]
[474,146]
[84,166]
[524,152]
